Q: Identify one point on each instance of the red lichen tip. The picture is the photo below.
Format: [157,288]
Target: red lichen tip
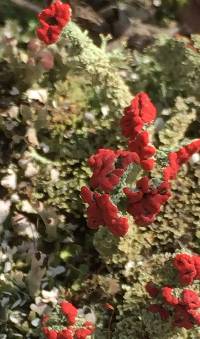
[52,21]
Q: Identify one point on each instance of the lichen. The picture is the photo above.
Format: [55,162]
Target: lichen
[96,62]
[52,122]
[120,251]
[158,74]
[179,223]
[178,122]
[134,320]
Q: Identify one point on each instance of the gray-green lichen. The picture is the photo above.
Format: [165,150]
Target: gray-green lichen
[133,319]
[142,325]
[178,122]
[178,74]
[178,225]
[45,144]
[98,64]
[119,251]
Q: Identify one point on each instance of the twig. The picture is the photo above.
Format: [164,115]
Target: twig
[28,5]
[39,158]
[109,324]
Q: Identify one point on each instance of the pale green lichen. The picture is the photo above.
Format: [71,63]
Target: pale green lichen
[179,223]
[70,127]
[96,62]
[119,251]
[181,117]
[134,320]
[165,78]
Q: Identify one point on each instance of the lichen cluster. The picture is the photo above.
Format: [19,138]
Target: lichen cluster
[177,226]
[134,319]
[158,74]
[51,122]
